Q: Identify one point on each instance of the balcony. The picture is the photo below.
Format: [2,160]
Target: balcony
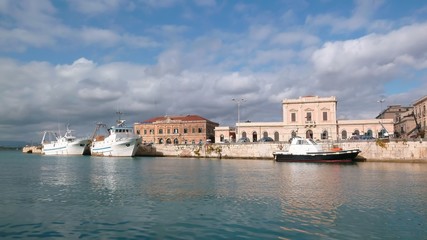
[310,124]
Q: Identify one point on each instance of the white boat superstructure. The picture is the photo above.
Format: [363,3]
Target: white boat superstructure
[307,150]
[119,142]
[54,144]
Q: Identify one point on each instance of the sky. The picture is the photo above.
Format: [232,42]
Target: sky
[79,62]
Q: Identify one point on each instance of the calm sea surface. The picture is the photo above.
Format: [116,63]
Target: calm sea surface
[171,198]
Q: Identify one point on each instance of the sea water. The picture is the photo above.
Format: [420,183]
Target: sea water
[83,197]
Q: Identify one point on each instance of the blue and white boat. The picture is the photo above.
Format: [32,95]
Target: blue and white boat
[120,141]
[54,144]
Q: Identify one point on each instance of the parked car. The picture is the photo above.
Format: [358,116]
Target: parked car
[367,138]
[243,140]
[354,138]
[266,139]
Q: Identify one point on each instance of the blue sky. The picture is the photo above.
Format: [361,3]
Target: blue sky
[79,61]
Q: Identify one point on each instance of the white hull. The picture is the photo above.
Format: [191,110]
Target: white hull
[121,148]
[76,147]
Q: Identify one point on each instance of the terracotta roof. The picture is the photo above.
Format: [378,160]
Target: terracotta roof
[179,118]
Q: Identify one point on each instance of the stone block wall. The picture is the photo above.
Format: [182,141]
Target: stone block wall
[395,151]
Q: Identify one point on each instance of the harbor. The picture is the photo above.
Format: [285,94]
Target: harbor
[408,151]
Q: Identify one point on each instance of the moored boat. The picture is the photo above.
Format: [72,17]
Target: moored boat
[307,150]
[120,141]
[54,144]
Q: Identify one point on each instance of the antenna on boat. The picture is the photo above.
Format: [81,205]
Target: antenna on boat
[120,121]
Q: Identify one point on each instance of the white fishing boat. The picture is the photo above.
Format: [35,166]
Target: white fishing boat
[307,150]
[54,144]
[120,141]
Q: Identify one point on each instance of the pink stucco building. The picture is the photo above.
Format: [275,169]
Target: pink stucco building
[310,116]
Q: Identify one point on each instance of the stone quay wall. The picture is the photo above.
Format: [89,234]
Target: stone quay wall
[32,149]
[391,151]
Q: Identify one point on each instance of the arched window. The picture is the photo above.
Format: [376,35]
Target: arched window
[265,134]
[221,138]
[243,134]
[344,134]
[160,140]
[168,141]
[254,137]
[276,136]
[175,141]
[309,134]
[356,132]
[369,133]
[324,135]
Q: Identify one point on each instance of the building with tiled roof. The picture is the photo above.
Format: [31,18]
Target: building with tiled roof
[188,129]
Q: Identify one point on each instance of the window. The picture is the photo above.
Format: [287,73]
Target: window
[308,117]
[185,130]
[160,131]
[221,138]
[254,137]
[344,134]
[200,130]
[169,131]
[193,130]
[151,131]
[325,116]
[138,132]
[175,130]
[265,134]
[276,136]
[145,131]
[324,135]
[293,117]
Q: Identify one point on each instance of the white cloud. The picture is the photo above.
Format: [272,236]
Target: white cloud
[298,37]
[405,46]
[361,18]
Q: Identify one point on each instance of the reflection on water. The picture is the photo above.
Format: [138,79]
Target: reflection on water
[164,198]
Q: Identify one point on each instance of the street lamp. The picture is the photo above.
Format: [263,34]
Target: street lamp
[381,102]
[381,116]
[238,101]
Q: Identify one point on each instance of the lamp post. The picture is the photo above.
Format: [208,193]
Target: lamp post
[238,101]
[381,104]
[381,117]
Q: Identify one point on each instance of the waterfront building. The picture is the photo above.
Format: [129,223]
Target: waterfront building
[404,124]
[420,111]
[402,120]
[312,117]
[393,111]
[189,129]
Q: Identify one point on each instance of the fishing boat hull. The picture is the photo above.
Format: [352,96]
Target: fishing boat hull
[120,148]
[327,157]
[76,147]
